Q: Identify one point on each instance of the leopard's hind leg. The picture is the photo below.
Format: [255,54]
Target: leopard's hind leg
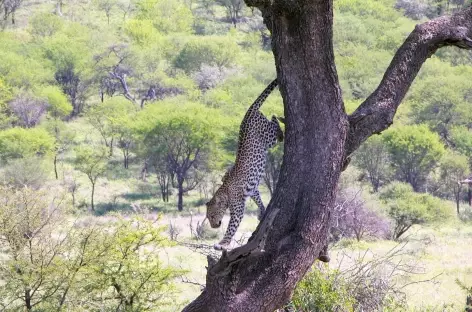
[257,199]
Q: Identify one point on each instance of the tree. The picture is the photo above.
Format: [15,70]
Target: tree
[22,143]
[58,108]
[414,152]
[52,264]
[454,168]
[70,57]
[217,51]
[108,118]
[28,110]
[320,137]
[441,103]
[8,9]
[373,158]
[128,276]
[107,7]
[233,9]
[92,162]
[182,139]
[408,208]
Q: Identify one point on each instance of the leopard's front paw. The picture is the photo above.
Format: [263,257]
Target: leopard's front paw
[223,245]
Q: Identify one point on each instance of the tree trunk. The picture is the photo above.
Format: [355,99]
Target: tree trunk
[59,10]
[28,305]
[93,193]
[457,194]
[55,166]
[320,138]
[180,195]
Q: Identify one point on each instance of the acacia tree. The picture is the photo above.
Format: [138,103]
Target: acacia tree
[179,141]
[320,137]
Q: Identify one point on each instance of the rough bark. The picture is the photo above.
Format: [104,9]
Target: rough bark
[320,136]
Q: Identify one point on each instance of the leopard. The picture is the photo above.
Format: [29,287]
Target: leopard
[257,135]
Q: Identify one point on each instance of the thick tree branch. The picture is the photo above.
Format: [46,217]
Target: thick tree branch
[376,113]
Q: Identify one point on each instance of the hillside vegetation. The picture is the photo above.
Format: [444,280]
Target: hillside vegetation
[118,119]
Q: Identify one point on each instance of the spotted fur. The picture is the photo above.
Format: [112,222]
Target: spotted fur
[256,135]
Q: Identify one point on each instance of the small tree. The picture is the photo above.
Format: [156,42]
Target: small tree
[414,151]
[28,110]
[181,138]
[92,162]
[233,9]
[21,143]
[111,118]
[454,168]
[408,208]
[58,108]
[129,276]
[213,51]
[373,158]
[51,264]
[31,272]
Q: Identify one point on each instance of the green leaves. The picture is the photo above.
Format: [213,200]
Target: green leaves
[219,51]
[58,104]
[414,151]
[408,208]
[20,143]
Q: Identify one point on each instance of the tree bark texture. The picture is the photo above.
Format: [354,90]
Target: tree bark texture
[320,137]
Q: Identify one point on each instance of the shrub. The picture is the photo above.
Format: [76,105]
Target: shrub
[322,290]
[214,51]
[30,172]
[352,218]
[414,152]
[408,208]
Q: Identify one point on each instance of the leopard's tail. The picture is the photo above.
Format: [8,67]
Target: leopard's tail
[263,96]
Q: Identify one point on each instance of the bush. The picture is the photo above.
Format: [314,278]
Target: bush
[414,152]
[408,208]
[19,143]
[320,291]
[30,172]
[213,51]
[352,218]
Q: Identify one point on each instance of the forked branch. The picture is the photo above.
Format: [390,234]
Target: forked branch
[254,246]
[376,113]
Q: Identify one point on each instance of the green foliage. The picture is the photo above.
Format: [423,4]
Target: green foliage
[20,143]
[408,208]
[168,16]
[55,265]
[442,102]
[218,51]
[322,290]
[45,24]
[142,32]
[414,151]
[454,168]
[461,137]
[373,158]
[30,172]
[58,104]
[92,161]
[129,270]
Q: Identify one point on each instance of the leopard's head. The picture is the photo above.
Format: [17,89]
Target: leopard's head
[216,208]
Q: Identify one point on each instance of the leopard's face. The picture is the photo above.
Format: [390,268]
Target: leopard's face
[216,208]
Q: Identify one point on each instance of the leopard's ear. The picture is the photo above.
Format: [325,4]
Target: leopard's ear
[207,204]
